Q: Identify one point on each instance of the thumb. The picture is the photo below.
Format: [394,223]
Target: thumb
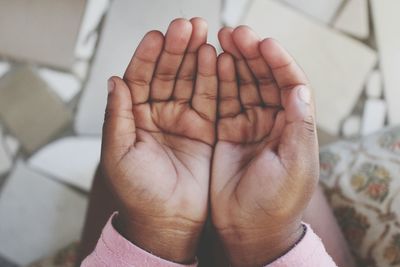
[299,137]
[119,125]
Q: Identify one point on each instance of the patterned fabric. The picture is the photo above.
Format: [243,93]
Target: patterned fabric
[67,257]
[362,182]
[361,179]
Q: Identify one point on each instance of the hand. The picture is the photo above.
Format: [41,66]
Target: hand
[158,136]
[265,164]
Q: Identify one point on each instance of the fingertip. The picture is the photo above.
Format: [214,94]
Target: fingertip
[154,39]
[273,51]
[154,34]
[299,105]
[149,47]
[304,94]
[119,96]
[244,30]
[246,40]
[209,49]
[227,42]
[118,118]
[110,85]
[178,36]
[199,22]
[207,59]
[226,67]
[224,59]
[181,25]
[199,34]
[224,31]
[114,84]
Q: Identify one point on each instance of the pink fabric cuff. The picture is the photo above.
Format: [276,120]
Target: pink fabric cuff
[309,252]
[113,249]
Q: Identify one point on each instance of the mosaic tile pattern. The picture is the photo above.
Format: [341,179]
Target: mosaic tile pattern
[365,195]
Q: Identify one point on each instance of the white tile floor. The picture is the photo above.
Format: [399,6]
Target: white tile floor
[72,160]
[354,19]
[336,65]
[323,11]
[65,85]
[118,29]
[5,156]
[386,22]
[38,215]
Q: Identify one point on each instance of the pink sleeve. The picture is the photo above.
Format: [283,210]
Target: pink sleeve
[309,252]
[113,249]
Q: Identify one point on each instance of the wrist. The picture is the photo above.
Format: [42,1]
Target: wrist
[251,248]
[171,240]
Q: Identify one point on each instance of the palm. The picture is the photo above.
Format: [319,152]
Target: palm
[174,150]
[245,152]
[164,128]
[175,118]
[261,133]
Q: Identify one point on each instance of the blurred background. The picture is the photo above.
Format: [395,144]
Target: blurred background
[56,56]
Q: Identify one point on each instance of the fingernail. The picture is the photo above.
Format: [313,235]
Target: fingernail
[111,85]
[304,94]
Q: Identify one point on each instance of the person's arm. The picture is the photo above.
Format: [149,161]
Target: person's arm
[113,249]
[320,216]
[101,205]
[308,252]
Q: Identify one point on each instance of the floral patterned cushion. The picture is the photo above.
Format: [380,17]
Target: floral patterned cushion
[67,257]
[361,179]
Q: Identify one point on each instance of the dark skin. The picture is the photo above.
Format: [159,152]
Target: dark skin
[182,124]
[262,179]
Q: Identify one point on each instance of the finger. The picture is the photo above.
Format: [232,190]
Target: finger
[140,70]
[285,70]
[185,81]
[204,99]
[228,91]
[176,42]
[119,125]
[299,136]
[247,43]
[248,92]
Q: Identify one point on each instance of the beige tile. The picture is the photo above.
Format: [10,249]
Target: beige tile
[72,160]
[81,69]
[374,87]
[64,84]
[354,19]
[4,68]
[38,216]
[94,11]
[325,138]
[374,116]
[126,23]
[29,109]
[43,31]
[387,30]
[5,157]
[323,11]
[351,126]
[336,65]
[12,145]
[233,11]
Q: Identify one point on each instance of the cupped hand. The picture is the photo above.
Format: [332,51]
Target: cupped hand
[265,164]
[158,139]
